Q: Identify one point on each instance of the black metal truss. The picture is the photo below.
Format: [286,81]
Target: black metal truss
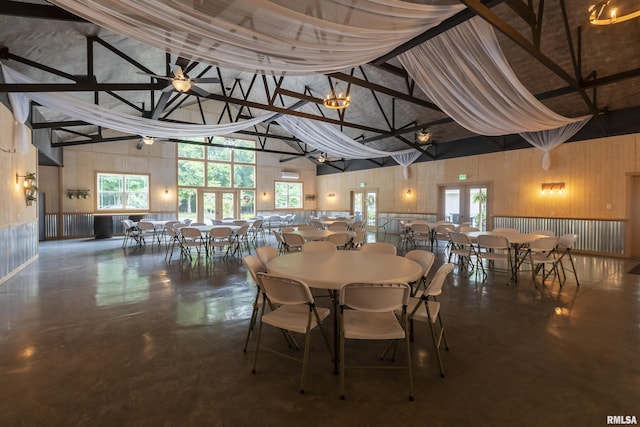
[238,97]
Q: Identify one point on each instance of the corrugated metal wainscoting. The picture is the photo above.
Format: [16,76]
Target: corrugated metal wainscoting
[18,245]
[76,225]
[594,235]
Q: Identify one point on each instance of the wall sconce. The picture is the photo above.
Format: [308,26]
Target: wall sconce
[408,193]
[30,187]
[331,195]
[551,187]
[78,194]
[166,194]
[265,195]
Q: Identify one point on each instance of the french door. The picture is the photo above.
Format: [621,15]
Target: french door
[218,205]
[364,207]
[465,203]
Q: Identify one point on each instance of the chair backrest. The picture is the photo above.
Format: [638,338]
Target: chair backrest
[316,224]
[190,232]
[319,246]
[254,265]
[422,257]
[216,222]
[196,224]
[220,232]
[243,230]
[187,221]
[435,286]
[266,253]
[445,228]
[257,223]
[169,224]
[285,291]
[144,225]
[379,247]
[544,232]
[466,228]
[293,239]
[375,297]
[421,228]
[338,239]
[127,224]
[359,237]
[279,238]
[459,238]
[566,241]
[240,222]
[178,225]
[338,226]
[543,244]
[491,241]
[356,224]
[286,229]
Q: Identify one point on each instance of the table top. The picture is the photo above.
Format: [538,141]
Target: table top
[331,269]
[514,237]
[330,222]
[207,228]
[311,234]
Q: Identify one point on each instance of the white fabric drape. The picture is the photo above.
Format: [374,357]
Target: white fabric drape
[328,138]
[465,73]
[405,159]
[20,107]
[111,119]
[267,36]
[547,140]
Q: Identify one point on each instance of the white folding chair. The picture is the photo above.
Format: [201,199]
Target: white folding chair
[426,308]
[542,252]
[367,312]
[494,249]
[266,253]
[296,313]
[565,244]
[463,248]
[379,247]
[340,240]
[425,259]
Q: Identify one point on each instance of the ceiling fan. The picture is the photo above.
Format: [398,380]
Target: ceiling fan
[182,83]
[147,140]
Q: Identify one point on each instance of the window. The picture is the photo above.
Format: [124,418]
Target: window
[288,195]
[224,169]
[122,191]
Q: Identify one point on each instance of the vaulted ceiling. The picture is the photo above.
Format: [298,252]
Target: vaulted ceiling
[574,68]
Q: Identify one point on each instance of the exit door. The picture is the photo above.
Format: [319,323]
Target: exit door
[465,204]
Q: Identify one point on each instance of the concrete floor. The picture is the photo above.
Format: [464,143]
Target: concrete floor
[96,335]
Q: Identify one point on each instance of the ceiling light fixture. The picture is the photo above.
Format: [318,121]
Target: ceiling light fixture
[605,13]
[181,84]
[322,158]
[337,100]
[423,136]
[148,140]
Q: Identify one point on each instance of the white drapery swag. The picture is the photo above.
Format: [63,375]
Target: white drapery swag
[465,73]
[328,138]
[547,140]
[100,116]
[20,117]
[267,36]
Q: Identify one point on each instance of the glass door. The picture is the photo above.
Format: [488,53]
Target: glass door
[465,204]
[218,205]
[364,207]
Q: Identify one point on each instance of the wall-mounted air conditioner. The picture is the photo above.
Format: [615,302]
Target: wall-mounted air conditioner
[289,175]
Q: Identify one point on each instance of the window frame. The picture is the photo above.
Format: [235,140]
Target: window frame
[288,197]
[124,193]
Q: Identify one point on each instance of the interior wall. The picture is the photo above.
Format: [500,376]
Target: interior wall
[18,222]
[593,171]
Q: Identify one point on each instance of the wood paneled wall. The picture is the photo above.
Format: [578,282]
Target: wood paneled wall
[593,171]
